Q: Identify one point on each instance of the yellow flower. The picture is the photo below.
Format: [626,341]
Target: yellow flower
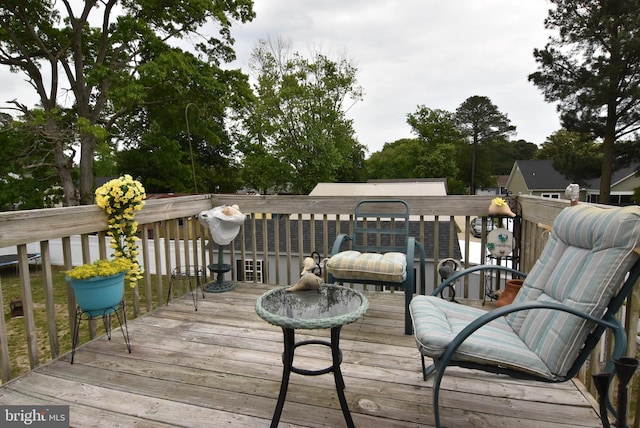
[120,198]
[100,267]
[498,202]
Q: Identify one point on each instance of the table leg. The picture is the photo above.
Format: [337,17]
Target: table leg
[287,361]
[337,374]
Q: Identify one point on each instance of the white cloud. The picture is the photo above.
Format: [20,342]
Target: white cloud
[413,52]
[417,52]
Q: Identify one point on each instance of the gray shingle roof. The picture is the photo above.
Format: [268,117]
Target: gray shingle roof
[616,176]
[541,175]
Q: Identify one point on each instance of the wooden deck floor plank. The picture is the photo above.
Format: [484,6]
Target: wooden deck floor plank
[223,363]
[124,402]
[80,415]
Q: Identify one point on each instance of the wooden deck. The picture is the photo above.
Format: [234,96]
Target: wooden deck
[221,366]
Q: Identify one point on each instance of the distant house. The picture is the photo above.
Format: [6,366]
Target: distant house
[540,178]
[498,189]
[537,178]
[623,182]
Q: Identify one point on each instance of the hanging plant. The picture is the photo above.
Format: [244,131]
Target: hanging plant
[120,198]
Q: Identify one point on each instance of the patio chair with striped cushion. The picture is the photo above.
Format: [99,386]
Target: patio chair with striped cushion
[571,296]
[380,251]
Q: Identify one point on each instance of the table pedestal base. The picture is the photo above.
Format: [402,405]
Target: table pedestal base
[287,359]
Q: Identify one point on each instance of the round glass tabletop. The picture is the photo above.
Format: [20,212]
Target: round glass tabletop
[328,307]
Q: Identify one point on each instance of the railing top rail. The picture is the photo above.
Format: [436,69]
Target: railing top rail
[22,227]
[19,227]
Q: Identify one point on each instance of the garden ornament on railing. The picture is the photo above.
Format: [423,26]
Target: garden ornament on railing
[500,207]
[224,224]
[446,268]
[573,193]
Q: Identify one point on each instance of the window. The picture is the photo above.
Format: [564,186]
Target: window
[252,270]
[551,195]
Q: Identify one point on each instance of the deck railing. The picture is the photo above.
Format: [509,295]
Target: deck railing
[278,233]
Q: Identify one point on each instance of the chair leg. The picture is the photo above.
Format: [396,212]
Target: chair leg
[427,371]
[408,295]
[436,397]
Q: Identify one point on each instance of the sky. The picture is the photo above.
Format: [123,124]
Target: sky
[408,53]
[411,53]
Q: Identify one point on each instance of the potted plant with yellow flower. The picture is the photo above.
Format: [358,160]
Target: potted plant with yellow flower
[120,198]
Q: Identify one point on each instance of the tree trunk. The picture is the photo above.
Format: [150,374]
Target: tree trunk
[63,163]
[87,151]
[607,153]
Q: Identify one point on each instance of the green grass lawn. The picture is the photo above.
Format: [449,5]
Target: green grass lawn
[16,336]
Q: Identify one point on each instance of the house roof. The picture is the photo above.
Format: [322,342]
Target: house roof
[417,187]
[541,175]
[617,176]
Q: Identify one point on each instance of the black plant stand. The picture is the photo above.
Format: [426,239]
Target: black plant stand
[219,285]
[118,310]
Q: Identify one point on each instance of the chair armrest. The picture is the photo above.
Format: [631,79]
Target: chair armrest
[472,269]
[337,244]
[412,244]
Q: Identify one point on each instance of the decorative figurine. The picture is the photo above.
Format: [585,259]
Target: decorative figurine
[500,207]
[307,281]
[573,193]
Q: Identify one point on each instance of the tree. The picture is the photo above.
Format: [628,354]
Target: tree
[577,156]
[437,132]
[398,159]
[98,49]
[505,153]
[193,128]
[591,68]
[296,133]
[28,177]
[481,123]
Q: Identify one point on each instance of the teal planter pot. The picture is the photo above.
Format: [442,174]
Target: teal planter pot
[100,295]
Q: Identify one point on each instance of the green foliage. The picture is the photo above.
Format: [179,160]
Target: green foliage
[197,100]
[119,61]
[505,153]
[296,133]
[159,162]
[396,160]
[590,67]
[575,155]
[27,175]
[481,123]
[441,149]
[431,155]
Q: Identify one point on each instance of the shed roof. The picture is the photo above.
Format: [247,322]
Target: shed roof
[431,187]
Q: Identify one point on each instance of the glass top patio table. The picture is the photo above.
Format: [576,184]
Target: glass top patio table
[331,307]
[328,307]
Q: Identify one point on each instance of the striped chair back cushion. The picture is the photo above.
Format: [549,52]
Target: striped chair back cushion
[583,265]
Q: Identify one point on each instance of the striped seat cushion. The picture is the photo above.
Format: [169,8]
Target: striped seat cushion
[356,266]
[436,322]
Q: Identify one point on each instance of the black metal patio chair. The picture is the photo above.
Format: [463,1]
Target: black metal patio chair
[381,250]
